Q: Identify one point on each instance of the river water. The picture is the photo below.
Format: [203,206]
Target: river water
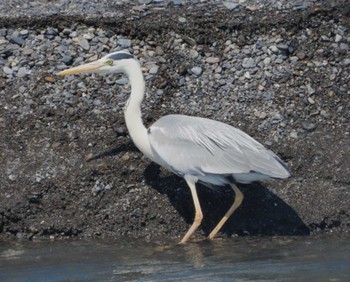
[230,259]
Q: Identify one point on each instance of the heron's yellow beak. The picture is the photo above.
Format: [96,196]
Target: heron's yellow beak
[90,67]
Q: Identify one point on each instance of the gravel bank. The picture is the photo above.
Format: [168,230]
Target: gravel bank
[279,70]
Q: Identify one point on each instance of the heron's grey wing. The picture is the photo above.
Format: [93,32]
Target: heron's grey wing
[198,146]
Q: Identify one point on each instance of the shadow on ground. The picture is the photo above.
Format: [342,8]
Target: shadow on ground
[261,213]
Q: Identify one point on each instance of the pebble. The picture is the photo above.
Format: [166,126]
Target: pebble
[248,63]
[17,40]
[212,60]
[67,60]
[122,81]
[338,38]
[182,20]
[310,100]
[189,40]
[308,125]
[124,43]
[267,61]
[197,71]
[84,44]
[344,47]
[153,69]
[231,5]
[294,134]
[7,70]
[22,72]
[193,54]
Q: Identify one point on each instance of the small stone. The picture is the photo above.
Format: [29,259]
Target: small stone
[97,102]
[182,20]
[121,131]
[17,40]
[153,69]
[197,71]
[27,51]
[126,157]
[338,38]
[22,72]
[193,54]
[212,60]
[283,47]
[231,5]
[308,125]
[84,44]
[310,100]
[346,62]
[344,47]
[294,134]
[252,8]
[274,49]
[310,90]
[248,63]
[67,60]
[159,51]
[124,42]
[122,81]
[24,32]
[189,40]
[267,61]
[50,78]
[7,70]
[301,55]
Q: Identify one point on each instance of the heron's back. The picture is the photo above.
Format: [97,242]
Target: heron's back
[212,150]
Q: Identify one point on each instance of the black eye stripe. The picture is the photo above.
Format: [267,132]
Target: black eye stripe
[120,56]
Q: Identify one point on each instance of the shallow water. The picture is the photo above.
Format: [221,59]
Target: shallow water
[233,259]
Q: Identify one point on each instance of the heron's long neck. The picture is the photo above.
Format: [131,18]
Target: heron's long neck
[133,119]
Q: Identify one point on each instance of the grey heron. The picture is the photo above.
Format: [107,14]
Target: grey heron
[197,149]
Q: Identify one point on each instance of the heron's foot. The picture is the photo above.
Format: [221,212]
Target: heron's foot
[196,240]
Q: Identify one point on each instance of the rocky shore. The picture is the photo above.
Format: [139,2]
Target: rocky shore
[278,70]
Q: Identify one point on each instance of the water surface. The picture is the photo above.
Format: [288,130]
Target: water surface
[232,259]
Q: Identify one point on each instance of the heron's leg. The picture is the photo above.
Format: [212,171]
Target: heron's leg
[198,216]
[238,200]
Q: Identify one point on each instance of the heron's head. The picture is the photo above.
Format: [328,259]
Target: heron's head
[112,63]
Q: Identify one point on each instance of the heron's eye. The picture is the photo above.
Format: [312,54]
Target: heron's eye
[109,62]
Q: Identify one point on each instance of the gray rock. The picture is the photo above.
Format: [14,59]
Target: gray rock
[248,63]
[68,60]
[122,81]
[84,44]
[197,71]
[274,49]
[267,61]
[308,125]
[346,62]
[22,72]
[344,47]
[97,102]
[310,90]
[338,38]
[182,20]
[193,54]
[212,60]
[231,5]
[17,40]
[153,69]
[189,40]
[124,43]
[7,70]
[294,134]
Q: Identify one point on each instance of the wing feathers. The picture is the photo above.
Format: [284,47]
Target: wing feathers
[192,145]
